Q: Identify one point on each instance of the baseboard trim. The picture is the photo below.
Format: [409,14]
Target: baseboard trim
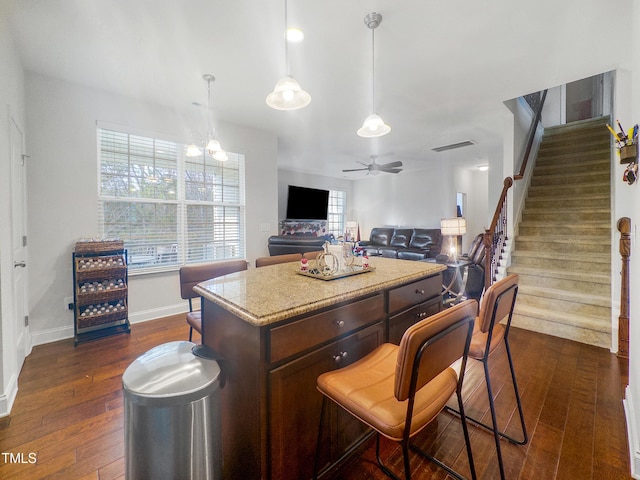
[52,335]
[63,333]
[154,313]
[634,445]
[7,398]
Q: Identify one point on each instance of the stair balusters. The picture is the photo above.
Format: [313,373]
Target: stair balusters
[495,237]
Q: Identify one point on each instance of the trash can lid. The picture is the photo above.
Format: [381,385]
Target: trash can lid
[170,370]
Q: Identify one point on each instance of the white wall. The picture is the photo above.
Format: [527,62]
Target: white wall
[476,185]
[627,107]
[62,193]
[421,199]
[11,104]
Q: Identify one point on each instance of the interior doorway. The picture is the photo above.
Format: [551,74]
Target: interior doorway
[19,328]
[589,97]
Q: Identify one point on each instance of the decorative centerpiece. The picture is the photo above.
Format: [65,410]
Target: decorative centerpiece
[335,261]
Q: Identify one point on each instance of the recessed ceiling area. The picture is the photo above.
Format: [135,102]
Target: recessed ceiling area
[443,69]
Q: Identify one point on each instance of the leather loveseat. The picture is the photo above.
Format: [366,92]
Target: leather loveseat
[284,244]
[404,243]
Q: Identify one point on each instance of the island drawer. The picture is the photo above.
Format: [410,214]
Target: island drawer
[414,293]
[309,332]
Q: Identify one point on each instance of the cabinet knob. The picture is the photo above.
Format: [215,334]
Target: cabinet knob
[338,358]
[340,323]
[419,292]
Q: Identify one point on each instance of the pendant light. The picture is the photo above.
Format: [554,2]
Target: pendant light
[212,146]
[373,125]
[287,94]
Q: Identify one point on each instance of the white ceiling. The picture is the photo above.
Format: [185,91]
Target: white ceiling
[443,68]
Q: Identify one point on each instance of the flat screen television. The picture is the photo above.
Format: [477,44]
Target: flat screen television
[307,203]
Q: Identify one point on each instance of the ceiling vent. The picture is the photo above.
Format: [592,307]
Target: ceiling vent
[452,146]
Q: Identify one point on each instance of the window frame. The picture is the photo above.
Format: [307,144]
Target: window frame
[181,252]
[333,211]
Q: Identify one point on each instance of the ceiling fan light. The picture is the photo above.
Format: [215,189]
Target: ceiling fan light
[288,95]
[220,155]
[193,151]
[373,126]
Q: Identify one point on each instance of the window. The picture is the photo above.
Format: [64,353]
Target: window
[337,212]
[168,208]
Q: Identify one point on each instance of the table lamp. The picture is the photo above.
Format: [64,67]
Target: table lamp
[453,228]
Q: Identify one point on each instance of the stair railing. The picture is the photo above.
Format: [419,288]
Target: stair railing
[495,237]
[624,227]
[531,136]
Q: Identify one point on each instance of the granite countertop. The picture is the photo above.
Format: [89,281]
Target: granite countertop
[265,295]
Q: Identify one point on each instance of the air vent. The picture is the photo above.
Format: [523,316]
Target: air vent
[452,146]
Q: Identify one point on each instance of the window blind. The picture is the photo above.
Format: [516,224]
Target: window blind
[168,208]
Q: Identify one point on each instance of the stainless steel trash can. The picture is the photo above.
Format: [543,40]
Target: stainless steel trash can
[172,414]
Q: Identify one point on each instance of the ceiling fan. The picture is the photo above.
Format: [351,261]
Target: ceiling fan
[375,168]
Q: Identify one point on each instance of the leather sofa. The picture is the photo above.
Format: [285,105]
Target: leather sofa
[403,243]
[284,244]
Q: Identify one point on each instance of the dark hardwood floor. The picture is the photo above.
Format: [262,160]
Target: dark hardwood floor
[69,413]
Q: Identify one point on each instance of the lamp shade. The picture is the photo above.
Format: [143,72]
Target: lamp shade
[288,95]
[213,146]
[193,150]
[453,226]
[220,155]
[373,126]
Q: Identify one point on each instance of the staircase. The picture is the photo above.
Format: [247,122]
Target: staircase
[562,248]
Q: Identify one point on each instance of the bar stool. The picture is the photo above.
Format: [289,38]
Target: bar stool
[399,390]
[496,305]
[191,275]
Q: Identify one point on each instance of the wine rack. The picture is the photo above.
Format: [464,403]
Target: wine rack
[100,290]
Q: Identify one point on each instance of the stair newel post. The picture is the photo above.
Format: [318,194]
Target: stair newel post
[624,227]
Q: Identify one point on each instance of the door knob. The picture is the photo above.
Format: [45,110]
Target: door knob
[19,264]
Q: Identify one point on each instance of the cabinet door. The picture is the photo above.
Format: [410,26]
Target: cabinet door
[398,324]
[295,407]
[348,429]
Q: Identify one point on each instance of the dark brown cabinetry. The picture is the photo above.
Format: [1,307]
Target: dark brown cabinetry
[411,303]
[100,290]
[296,404]
[271,407]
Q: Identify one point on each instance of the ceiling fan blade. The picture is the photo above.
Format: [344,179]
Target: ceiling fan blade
[391,170]
[391,164]
[355,170]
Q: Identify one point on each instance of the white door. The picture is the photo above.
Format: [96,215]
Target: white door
[19,244]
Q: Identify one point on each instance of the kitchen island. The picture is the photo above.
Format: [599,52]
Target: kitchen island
[277,331]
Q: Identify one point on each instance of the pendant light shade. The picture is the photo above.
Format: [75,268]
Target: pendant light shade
[193,151]
[373,125]
[212,144]
[287,94]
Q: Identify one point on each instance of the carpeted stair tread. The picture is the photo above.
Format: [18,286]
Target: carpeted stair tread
[550,238]
[564,295]
[593,278]
[563,242]
[584,321]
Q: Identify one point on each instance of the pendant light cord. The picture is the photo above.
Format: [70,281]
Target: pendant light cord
[373,70]
[209,114]
[286,43]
